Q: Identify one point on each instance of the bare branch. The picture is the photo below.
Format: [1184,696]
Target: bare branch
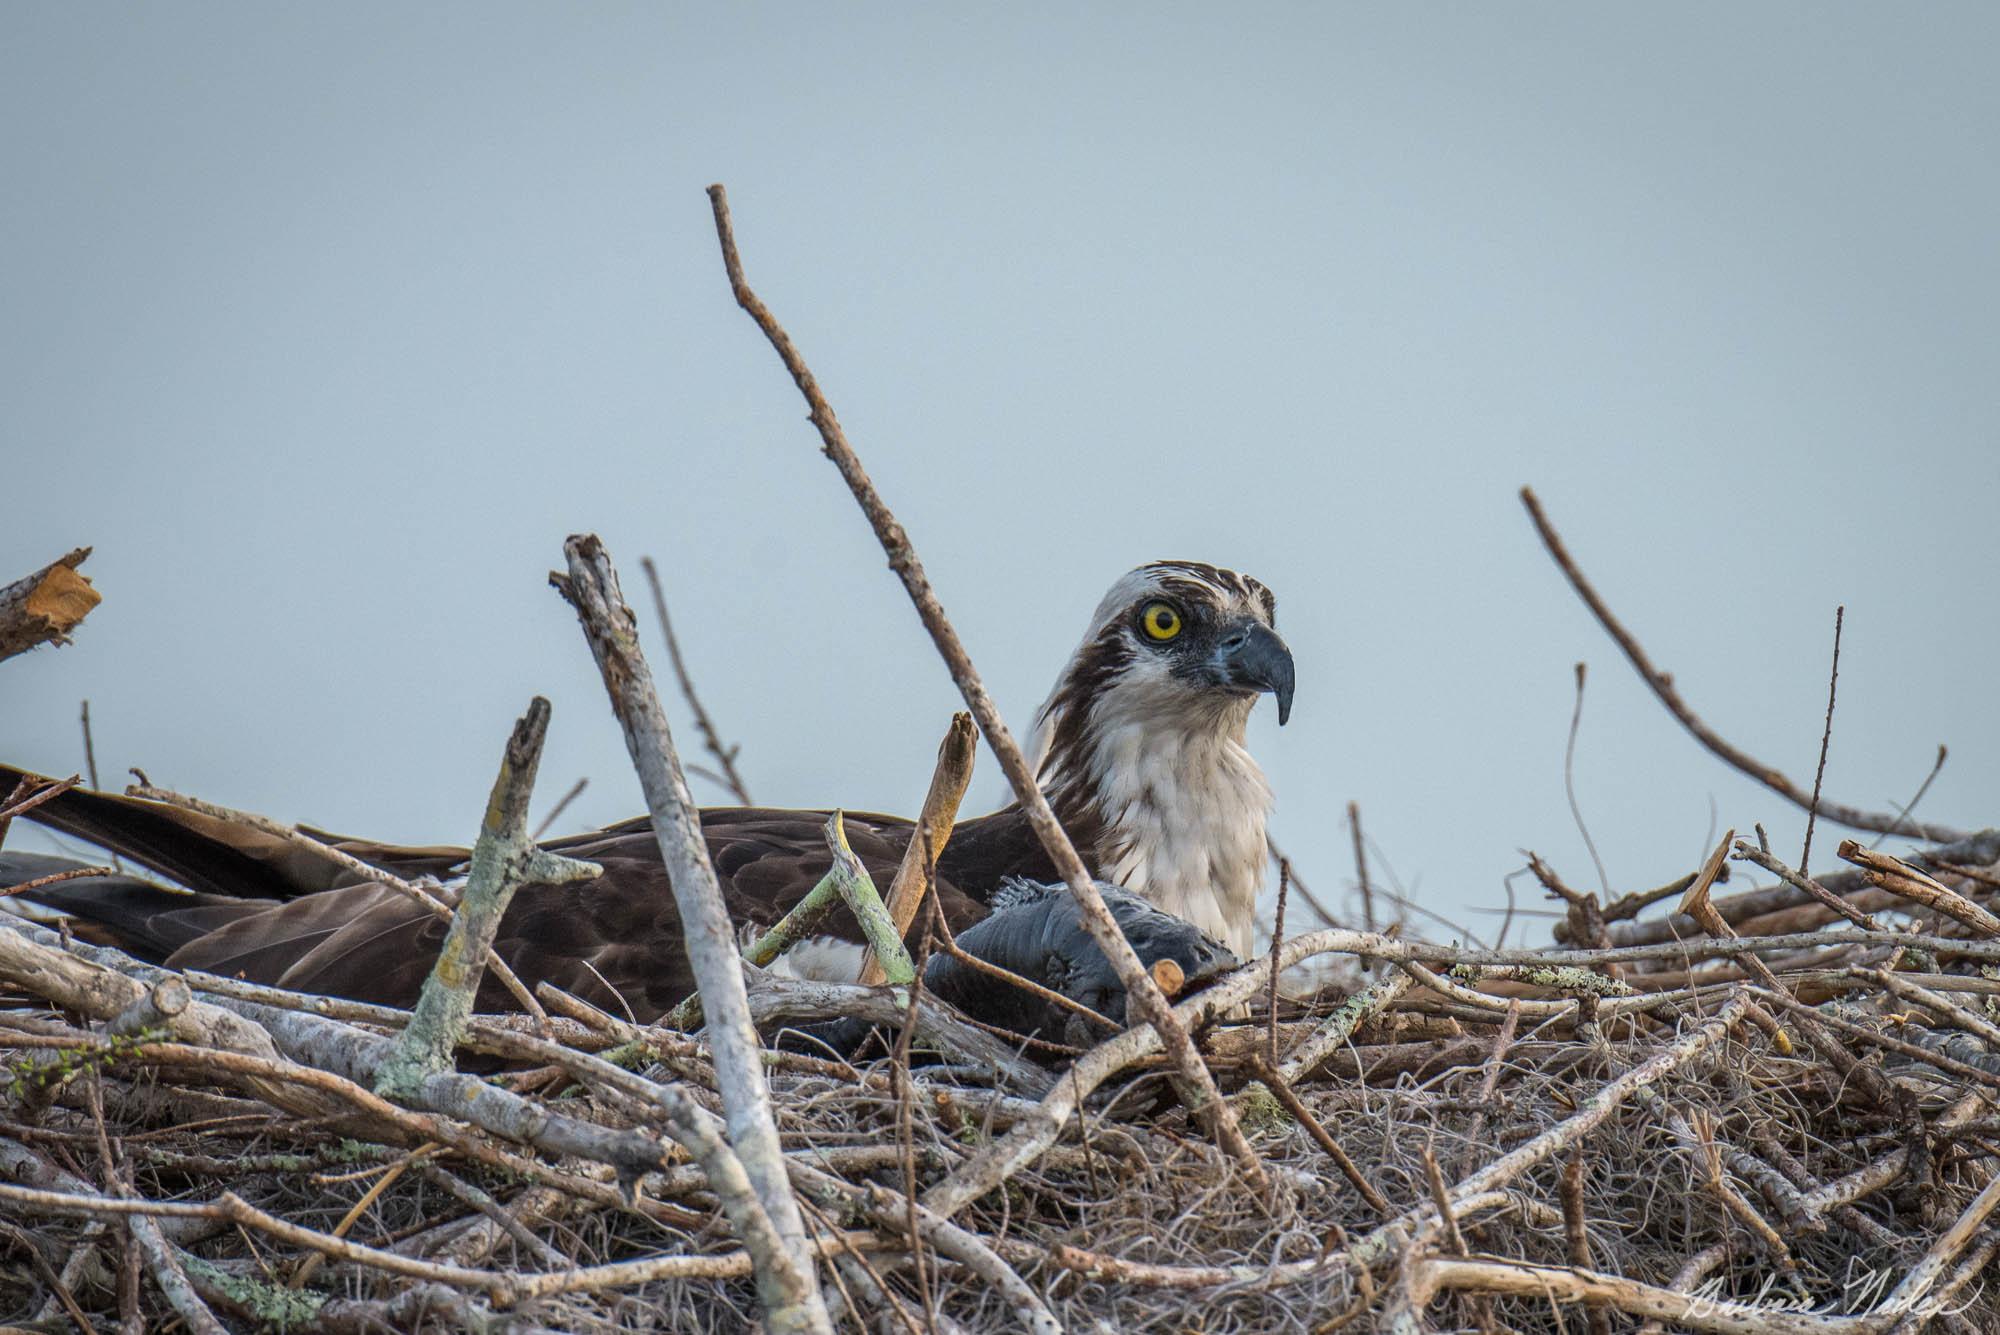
[1662,686]
[786,1287]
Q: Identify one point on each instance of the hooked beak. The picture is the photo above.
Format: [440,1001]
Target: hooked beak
[1252,657]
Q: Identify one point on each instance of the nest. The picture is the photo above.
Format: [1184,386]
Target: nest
[1452,1139]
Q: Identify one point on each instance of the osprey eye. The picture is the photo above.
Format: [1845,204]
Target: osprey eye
[1161,621]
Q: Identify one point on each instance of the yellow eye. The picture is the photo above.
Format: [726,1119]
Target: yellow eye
[1161,621]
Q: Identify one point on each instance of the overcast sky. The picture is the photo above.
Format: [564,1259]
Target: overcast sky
[324,325]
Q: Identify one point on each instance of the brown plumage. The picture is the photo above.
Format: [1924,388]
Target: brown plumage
[273,913]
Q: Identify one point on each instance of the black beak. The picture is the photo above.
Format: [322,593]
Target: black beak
[1253,656]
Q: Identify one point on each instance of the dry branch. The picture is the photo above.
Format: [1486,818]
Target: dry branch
[949,781]
[1195,1084]
[1907,882]
[790,1296]
[43,608]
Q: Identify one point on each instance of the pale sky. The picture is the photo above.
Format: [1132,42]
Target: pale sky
[324,325]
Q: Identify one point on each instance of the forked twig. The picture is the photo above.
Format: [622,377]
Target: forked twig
[503,860]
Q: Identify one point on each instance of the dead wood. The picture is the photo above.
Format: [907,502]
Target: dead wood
[43,608]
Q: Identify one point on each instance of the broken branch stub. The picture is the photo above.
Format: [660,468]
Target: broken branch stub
[43,608]
[504,859]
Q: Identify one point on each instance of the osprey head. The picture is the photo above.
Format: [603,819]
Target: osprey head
[1174,642]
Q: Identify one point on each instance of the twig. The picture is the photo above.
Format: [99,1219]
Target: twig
[1490,1080]
[1413,1287]
[773,999]
[91,764]
[1937,767]
[60,1286]
[785,1281]
[1698,1137]
[857,890]
[1695,904]
[725,756]
[1569,780]
[1277,940]
[1282,1089]
[949,779]
[899,1083]
[1751,853]
[839,885]
[1591,1114]
[30,793]
[321,1058]
[507,1286]
[57,878]
[1663,687]
[1040,1127]
[163,1264]
[1340,1026]
[1361,867]
[1698,1267]
[1920,1303]
[1825,738]
[1879,1173]
[383,1181]
[891,1211]
[1758,909]
[503,1220]
[1900,878]
[1584,919]
[503,860]
[1629,905]
[1194,1083]
[1576,1228]
[562,805]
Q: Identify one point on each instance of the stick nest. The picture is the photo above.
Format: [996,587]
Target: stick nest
[1637,1129]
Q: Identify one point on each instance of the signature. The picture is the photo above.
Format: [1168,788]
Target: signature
[1863,1289]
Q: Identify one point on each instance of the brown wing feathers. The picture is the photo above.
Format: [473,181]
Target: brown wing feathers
[272,913]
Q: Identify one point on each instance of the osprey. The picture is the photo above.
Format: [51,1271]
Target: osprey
[1140,748]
